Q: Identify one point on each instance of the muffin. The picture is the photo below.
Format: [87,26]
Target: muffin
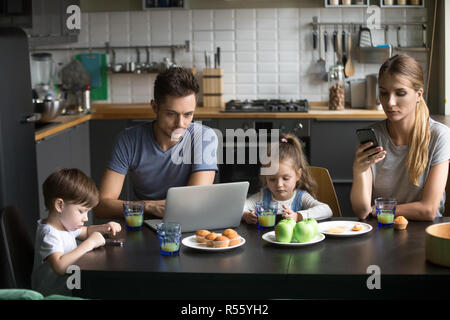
[230,233]
[201,234]
[234,241]
[220,242]
[400,223]
[210,238]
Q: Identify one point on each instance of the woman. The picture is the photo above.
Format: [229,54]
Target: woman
[412,162]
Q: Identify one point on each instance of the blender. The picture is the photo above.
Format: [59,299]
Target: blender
[41,76]
[45,100]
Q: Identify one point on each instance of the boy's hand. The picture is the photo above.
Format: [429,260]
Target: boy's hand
[96,240]
[250,217]
[112,228]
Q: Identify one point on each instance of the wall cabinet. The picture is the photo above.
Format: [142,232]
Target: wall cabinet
[49,22]
[67,149]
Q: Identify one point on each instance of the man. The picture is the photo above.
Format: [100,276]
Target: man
[170,151]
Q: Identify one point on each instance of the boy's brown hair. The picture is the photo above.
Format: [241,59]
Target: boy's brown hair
[71,185]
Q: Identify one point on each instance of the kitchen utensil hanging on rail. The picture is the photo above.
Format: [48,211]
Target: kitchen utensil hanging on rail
[349,68]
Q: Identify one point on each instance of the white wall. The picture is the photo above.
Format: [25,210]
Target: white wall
[266,53]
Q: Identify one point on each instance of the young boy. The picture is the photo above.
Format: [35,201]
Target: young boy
[69,194]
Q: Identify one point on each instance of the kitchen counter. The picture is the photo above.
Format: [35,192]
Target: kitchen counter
[144,111]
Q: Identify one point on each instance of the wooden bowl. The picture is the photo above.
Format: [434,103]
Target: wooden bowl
[437,244]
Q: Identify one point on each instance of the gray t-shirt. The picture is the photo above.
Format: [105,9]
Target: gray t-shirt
[391,176]
[154,171]
[48,241]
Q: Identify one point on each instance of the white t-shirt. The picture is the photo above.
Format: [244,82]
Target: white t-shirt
[312,208]
[391,176]
[48,241]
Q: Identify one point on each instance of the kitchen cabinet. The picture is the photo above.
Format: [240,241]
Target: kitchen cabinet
[49,22]
[333,146]
[66,149]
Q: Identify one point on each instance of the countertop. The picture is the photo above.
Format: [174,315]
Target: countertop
[144,111]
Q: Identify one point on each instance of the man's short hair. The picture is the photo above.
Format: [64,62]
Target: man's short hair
[71,185]
[176,82]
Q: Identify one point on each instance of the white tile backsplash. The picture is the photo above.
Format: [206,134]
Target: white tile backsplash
[224,19]
[202,19]
[266,53]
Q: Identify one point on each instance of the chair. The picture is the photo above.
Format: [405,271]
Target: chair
[325,190]
[18,247]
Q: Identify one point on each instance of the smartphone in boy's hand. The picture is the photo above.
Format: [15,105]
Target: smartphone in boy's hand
[114,242]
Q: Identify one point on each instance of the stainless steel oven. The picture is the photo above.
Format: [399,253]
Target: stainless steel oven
[231,171]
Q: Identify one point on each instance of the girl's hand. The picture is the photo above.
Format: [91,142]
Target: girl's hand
[288,213]
[250,217]
[112,228]
[364,159]
[374,211]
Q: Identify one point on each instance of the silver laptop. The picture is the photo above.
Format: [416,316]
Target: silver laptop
[214,206]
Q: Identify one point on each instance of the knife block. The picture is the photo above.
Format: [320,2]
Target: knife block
[213,88]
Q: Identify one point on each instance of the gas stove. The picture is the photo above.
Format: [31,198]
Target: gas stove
[267,106]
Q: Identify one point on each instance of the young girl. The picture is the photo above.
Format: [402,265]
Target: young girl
[411,164]
[292,188]
[69,194]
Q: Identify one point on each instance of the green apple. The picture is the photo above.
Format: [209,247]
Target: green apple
[306,230]
[292,222]
[284,231]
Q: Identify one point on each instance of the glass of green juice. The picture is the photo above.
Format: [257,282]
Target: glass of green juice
[133,212]
[169,236]
[266,216]
[385,208]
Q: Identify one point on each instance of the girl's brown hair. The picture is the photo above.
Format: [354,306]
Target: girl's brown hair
[408,68]
[71,185]
[290,149]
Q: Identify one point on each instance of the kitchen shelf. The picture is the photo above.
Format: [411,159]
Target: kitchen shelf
[154,5]
[399,6]
[340,5]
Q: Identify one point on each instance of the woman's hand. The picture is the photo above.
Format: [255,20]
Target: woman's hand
[364,159]
[250,217]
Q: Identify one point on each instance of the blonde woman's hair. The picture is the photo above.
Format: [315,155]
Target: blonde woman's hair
[290,149]
[408,68]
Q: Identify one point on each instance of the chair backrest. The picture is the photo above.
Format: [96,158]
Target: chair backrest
[447,197]
[18,247]
[325,190]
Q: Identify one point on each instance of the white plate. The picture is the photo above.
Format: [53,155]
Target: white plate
[347,226]
[191,242]
[270,237]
